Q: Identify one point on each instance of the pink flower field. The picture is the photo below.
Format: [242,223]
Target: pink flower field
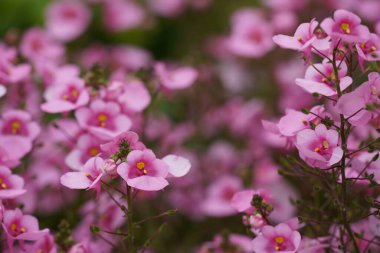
[189,126]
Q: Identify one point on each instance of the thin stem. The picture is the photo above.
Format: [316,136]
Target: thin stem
[130,221]
[343,161]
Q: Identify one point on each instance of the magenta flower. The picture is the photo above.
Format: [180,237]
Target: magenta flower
[281,238]
[103,119]
[88,177]
[11,186]
[175,79]
[345,26]
[66,20]
[319,147]
[144,171]
[66,95]
[18,226]
[324,81]
[251,35]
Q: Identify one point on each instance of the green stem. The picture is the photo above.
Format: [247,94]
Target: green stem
[130,224]
[343,161]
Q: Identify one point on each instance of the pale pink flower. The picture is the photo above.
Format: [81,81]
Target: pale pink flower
[321,79]
[11,186]
[144,171]
[369,50]
[37,45]
[345,26]
[10,72]
[18,226]
[122,15]
[281,238]
[178,165]
[88,177]
[103,119]
[177,78]
[19,123]
[251,35]
[68,19]
[66,95]
[319,147]
[87,146]
[295,121]
[303,39]
[354,105]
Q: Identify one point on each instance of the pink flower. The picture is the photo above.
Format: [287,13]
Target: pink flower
[167,8]
[18,123]
[18,226]
[241,201]
[303,39]
[66,20]
[12,149]
[11,186]
[103,119]
[354,105]
[129,57]
[175,79]
[9,72]
[122,15]
[281,238]
[127,139]
[369,50]
[178,165]
[217,202]
[345,26]
[88,177]
[45,244]
[132,96]
[319,147]
[323,80]
[87,146]
[66,95]
[251,35]
[144,171]
[295,121]
[37,45]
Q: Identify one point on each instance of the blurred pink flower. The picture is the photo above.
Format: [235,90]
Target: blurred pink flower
[67,19]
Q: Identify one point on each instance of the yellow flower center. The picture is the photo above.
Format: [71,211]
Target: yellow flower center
[279,239]
[102,118]
[346,28]
[94,151]
[374,90]
[141,166]
[325,144]
[13,227]
[373,48]
[15,126]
